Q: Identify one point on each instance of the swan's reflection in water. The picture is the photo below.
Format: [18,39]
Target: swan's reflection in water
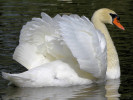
[111,88]
[109,91]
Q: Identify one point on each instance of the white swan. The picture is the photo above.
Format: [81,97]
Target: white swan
[66,50]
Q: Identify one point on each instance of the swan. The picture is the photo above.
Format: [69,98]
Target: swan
[67,50]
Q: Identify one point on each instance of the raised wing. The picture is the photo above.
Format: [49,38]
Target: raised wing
[32,51]
[40,42]
[86,43]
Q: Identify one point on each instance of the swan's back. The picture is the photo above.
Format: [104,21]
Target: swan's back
[56,73]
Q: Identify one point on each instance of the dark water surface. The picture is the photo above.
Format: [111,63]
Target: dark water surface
[15,13]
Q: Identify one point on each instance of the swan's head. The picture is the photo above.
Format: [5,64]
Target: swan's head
[106,15]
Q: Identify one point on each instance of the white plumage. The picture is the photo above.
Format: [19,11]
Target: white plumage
[55,73]
[87,44]
[60,51]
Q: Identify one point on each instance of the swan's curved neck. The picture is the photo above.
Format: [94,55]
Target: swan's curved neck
[113,69]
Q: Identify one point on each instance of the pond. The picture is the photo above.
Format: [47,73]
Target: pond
[15,13]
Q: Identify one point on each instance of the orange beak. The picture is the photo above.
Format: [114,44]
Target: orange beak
[117,23]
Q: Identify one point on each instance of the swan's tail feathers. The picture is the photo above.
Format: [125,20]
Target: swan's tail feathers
[5,75]
[10,77]
[27,55]
[16,79]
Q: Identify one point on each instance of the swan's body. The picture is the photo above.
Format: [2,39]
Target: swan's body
[73,40]
[53,73]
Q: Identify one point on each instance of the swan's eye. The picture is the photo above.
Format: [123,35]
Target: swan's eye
[118,17]
[114,16]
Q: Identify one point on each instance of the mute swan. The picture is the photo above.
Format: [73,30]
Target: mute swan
[66,50]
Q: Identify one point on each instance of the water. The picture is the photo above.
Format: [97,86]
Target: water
[65,93]
[15,13]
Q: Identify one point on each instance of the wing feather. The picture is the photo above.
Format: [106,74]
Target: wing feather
[40,42]
[86,43]
[43,36]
